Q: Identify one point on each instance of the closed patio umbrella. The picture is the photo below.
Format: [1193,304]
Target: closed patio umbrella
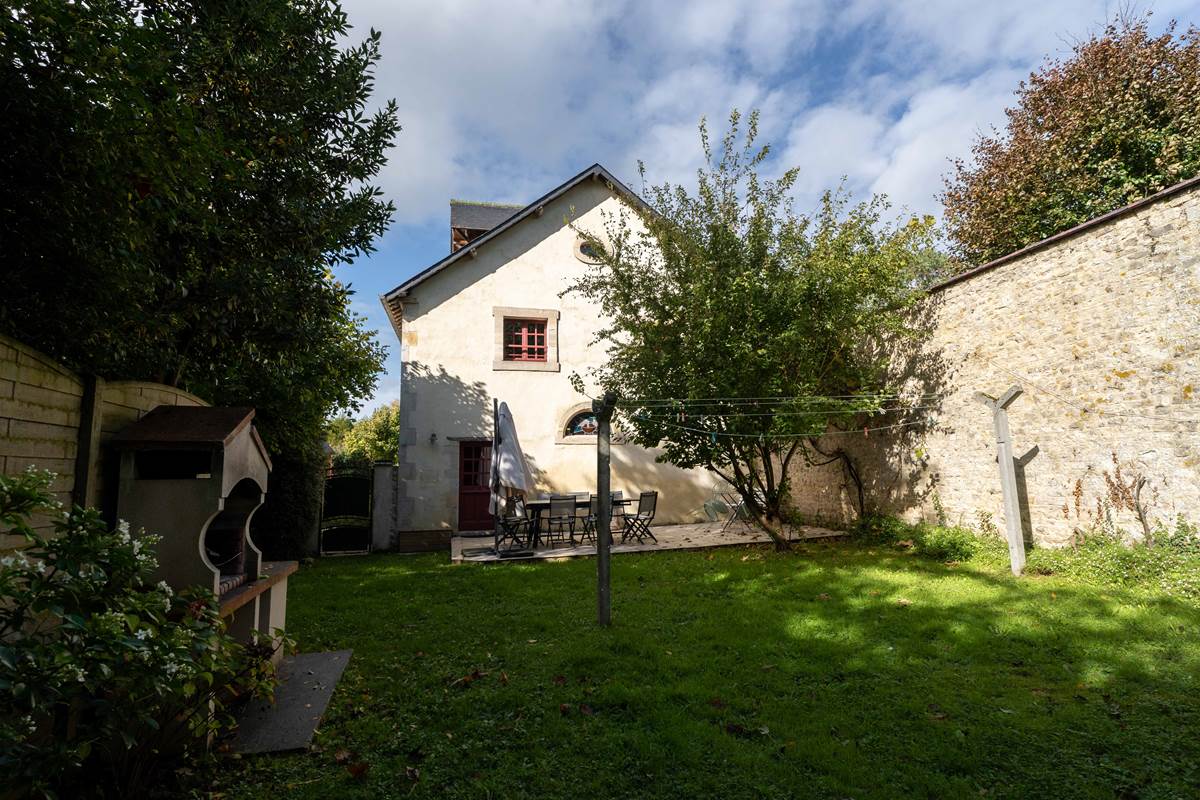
[510,472]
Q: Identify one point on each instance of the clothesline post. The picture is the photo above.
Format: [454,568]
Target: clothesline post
[603,410]
[1008,474]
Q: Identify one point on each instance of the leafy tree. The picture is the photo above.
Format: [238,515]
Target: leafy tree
[739,332]
[178,181]
[377,436]
[336,431]
[1115,122]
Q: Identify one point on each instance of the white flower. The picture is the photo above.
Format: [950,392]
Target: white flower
[144,634]
[165,588]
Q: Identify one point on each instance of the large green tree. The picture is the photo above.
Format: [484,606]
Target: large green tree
[179,180]
[1116,121]
[375,437]
[742,335]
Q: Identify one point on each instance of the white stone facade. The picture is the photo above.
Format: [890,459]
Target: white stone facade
[453,368]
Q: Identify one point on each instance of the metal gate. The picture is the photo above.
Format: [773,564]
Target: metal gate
[346,514]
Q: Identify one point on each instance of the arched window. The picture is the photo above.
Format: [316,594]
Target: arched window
[582,424]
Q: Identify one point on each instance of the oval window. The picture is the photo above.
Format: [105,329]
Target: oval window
[582,424]
[588,252]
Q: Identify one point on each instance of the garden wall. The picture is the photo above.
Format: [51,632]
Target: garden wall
[52,418]
[1101,328]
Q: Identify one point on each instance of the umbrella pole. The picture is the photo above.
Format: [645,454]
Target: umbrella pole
[604,410]
[493,478]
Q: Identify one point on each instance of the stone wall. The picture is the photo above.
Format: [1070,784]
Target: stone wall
[1101,328]
[51,418]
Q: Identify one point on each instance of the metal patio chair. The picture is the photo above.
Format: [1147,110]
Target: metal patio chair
[589,522]
[560,523]
[637,525]
[618,511]
[514,528]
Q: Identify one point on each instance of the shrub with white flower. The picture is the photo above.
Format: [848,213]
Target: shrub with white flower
[102,671]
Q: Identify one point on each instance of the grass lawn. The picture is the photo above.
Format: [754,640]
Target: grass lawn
[837,671]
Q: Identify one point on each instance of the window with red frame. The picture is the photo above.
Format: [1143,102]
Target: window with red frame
[524,340]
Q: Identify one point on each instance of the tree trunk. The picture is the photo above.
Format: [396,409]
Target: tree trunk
[771,522]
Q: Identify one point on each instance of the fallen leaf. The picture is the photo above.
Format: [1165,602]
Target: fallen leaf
[717,702]
[905,543]
[904,601]
[822,596]
[358,770]
[504,678]
[586,710]
[412,773]
[420,654]
[342,756]
[564,709]
[467,680]
[560,680]
[734,729]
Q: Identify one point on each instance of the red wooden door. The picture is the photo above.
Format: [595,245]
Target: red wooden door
[474,481]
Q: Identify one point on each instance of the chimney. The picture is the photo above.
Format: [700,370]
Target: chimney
[470,220]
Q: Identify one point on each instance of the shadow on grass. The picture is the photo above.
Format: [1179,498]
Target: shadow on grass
[830,672]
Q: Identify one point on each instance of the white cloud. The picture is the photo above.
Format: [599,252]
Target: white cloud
[503,101]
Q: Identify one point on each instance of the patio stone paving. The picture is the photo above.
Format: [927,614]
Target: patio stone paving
[695,536]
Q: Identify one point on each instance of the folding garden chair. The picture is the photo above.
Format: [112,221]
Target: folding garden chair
[514,528]
[618,511]
[638,525]
[589,522]
[735,506]
[561,522]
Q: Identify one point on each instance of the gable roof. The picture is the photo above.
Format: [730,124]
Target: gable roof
[479,216]
[393,300]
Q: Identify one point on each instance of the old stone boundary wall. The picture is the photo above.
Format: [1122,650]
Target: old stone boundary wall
[52,418]
[1101,328]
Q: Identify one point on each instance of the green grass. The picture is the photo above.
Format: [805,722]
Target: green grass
[836,671]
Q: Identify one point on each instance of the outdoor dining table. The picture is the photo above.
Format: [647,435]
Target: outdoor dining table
[538,508]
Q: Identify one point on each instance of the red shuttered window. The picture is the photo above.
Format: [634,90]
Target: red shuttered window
[524,340]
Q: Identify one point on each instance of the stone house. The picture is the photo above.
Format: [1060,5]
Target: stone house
[490,321]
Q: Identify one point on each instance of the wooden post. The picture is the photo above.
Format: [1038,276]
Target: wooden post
[87,452]
[1008,475]
[604,410]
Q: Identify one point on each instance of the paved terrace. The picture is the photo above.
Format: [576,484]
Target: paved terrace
[697,536]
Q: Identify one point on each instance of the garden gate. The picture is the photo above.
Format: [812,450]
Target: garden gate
[346,514]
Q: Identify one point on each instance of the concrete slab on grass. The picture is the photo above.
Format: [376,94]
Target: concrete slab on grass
[307,681]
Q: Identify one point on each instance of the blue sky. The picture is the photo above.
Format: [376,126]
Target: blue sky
[504,101]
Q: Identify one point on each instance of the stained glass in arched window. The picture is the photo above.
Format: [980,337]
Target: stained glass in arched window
[582,424]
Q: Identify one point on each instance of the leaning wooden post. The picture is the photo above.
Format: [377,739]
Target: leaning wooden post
[604,410]
[1008,474]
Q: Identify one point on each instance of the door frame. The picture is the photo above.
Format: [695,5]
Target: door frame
[478,524]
